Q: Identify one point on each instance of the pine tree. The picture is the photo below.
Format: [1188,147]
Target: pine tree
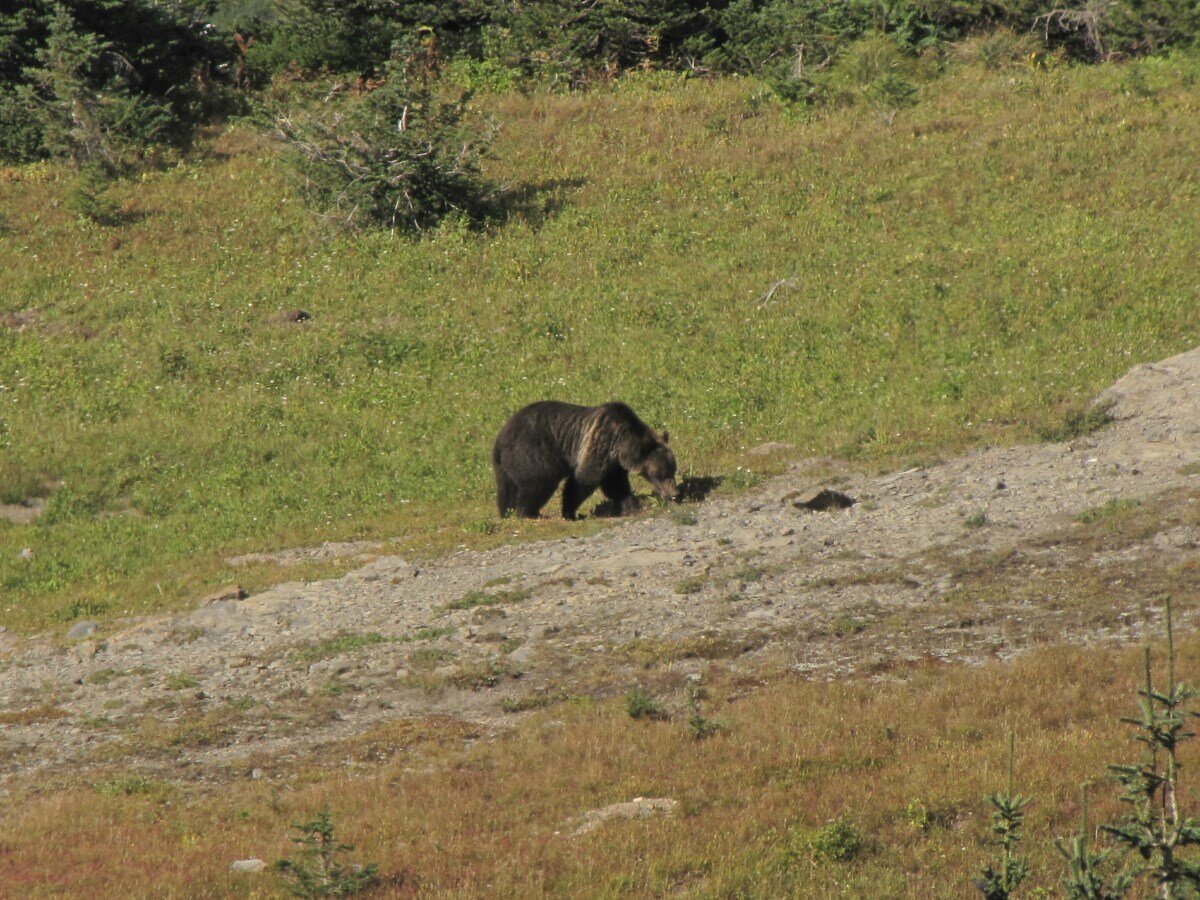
[998,882]
[1156,828]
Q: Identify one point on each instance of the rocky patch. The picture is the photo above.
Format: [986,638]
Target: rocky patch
[972,559]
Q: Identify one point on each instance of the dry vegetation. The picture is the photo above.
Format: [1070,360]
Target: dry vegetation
[449,809]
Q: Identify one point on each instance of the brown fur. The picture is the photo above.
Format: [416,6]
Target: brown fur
[583,448]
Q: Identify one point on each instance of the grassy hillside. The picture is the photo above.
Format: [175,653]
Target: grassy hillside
[850,281]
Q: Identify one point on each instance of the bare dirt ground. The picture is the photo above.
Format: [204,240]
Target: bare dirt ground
[971,559]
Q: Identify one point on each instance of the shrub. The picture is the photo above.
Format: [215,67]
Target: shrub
[641,705]
[998,881]
[1087,875]
[401,157]
[977,519]
[360,36]
[82,100]
[1155,826]
[89,196]
[1078,422]
[316,873]
[998,49]
[566,40]
[701,726]
[101,80]
[839,841]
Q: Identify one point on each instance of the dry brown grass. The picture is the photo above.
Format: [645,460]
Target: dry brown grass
[43,713]
[457,812]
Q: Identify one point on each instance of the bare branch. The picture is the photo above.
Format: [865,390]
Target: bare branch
[766,298]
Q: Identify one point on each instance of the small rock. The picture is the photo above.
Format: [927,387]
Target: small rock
[768,448]
[229,592]
[256,774]
[1000,485]
[82,629]
[638,808]
[27,553]
[248,866]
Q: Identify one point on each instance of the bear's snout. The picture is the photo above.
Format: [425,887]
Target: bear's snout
[668,490]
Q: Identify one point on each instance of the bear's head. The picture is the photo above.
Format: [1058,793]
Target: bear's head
[658,467]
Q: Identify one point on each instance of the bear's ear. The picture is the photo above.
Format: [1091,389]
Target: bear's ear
[666,437]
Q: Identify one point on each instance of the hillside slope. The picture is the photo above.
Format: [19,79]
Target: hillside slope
[858,284]
[964,560]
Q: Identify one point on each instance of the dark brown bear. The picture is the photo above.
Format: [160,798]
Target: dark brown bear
[588,446]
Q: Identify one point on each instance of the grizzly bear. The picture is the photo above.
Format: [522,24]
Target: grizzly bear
[587,446]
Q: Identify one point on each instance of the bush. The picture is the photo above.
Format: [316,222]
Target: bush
[401,157]
[20,131]
[100,80]
[359,36]
[567,40]
[641,705]
[839,841]
[317,873]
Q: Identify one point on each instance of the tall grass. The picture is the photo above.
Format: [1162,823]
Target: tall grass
[903,765]
[960,272]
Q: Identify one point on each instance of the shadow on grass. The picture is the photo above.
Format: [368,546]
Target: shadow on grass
[695,488]
[535,203]
[691,490]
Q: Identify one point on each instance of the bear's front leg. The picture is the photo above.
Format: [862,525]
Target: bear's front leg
[573,495]
[616,488]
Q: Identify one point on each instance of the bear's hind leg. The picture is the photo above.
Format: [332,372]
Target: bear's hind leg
[573,495]
[506,493]
[616,488]
[531,497]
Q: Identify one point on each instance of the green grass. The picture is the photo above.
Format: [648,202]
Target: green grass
[432,634]
[977,519]
[1107,510]
[178,681]
[473,599]
[338,644]
[963,274]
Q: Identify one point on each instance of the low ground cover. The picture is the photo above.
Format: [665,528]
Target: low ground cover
[814,789]
[881,284]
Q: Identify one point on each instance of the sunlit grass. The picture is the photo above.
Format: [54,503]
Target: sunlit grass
[905,762]
[972,271]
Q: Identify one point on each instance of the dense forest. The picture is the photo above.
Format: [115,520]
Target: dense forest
[109,82]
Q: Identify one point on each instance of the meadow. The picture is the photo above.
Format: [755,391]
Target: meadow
[884,285]
[860,788]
